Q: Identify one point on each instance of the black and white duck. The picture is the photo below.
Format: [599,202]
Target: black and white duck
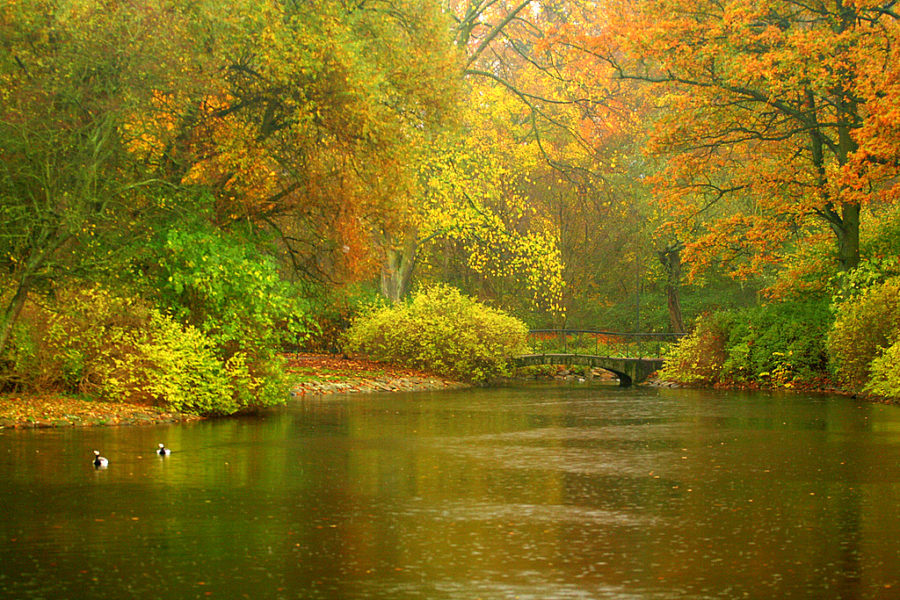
[99,461]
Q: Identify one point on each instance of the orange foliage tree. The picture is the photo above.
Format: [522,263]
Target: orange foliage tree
[305,120]
[776,117]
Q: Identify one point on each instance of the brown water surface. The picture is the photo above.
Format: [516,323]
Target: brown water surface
[536,492]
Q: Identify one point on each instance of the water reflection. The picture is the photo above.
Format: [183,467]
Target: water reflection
[538,492]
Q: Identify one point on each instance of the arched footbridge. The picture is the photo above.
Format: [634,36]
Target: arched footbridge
[632,357]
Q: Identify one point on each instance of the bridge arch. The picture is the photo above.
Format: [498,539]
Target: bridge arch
[628,370]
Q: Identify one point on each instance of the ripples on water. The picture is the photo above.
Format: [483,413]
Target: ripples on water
[538,492]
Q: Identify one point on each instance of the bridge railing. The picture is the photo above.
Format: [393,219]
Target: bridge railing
[608,344]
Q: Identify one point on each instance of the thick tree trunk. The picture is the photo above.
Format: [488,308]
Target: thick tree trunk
[846,232]
[671,261]
[844,225]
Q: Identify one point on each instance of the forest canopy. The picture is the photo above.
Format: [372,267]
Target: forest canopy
[255,172]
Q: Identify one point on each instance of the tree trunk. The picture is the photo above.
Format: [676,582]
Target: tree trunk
[11,314]
[670,258]
[848,237]
[27,277]
[397,269]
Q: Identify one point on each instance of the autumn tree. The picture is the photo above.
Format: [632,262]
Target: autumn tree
[312,122]
[480,223]
[308,128]
[463,196]
[769,126]
[70,74]
[581,131]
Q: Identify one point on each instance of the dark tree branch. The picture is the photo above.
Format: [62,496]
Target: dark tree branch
[496,31]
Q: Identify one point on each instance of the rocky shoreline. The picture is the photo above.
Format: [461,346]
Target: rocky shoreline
[367,386]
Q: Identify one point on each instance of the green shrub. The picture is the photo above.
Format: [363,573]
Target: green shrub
[775,344]
[862,328]
[846,286]
[885,373]
[58,344]
[228,288]
[780,343]
[441,331]
[172,365]
[698,357]
[225,285]
[22,366]
[115,348]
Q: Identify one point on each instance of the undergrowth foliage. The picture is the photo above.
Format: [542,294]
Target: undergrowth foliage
[885,372]
[110,347]
[866,328]
[442,331]
[854,339]
[698,357]
[779,344]
[221,284]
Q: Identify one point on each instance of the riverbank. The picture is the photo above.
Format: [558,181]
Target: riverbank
[331,374]
[823,387]
[40,412]
[311,374]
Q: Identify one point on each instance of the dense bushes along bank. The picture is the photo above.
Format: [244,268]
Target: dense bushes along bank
[851,340]
[193,325]
[309,374]
[212,354]
[219,356]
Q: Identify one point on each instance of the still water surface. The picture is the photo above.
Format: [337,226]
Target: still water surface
[538,492]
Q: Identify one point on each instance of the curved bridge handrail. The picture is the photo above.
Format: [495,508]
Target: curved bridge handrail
[662,336]
[598,342]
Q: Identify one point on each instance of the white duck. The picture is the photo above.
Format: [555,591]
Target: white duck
[163,451]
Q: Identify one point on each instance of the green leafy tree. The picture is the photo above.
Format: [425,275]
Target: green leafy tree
[230,289]
[72,75]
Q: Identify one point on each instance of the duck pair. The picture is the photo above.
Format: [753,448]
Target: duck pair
[102,462]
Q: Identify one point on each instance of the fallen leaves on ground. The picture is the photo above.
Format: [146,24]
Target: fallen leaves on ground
[61,411]
[300,363]
[329,373]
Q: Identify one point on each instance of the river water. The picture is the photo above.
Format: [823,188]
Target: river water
[537,492]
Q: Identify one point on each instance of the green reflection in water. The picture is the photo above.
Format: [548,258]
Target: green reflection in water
[535,492]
